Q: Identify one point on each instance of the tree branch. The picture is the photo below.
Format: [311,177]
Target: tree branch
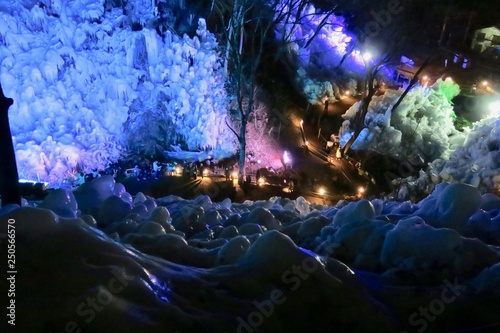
[232,130]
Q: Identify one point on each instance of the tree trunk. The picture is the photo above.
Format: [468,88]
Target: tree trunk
[359,118]
[9,179]
[413,81]
[228,45]
[243,143]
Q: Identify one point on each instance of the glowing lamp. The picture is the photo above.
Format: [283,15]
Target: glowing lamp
[235,175]
[322,191]
[367,56]
[286,157]
[485,83]
[361,190]
[494,108]
[261,181]
[347,92]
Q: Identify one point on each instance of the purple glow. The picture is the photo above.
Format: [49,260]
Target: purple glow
[286,158]
[329,46]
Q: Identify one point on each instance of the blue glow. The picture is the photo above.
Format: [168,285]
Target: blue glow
[86,88]
[159,288]
[329,46]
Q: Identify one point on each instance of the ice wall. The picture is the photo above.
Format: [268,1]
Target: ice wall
[77,73]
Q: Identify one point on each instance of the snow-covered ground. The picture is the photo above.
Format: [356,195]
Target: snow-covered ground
[99,260]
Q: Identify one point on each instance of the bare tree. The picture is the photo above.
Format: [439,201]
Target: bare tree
[369,90]
[250,26]
[397,31]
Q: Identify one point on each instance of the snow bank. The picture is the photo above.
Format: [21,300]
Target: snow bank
[99,284]
[432,235]
[198,266]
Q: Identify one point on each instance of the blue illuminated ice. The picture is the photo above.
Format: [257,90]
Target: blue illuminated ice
[85,86]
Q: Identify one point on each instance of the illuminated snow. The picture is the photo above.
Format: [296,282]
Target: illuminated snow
[421,128]
[207,277]
[77,78]
[476,162]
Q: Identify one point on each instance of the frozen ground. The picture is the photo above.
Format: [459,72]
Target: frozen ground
[99,260]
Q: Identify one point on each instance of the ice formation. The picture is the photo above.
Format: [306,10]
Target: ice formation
[420,128]
[108,261]
[477,162]
[78,73]
[318,50]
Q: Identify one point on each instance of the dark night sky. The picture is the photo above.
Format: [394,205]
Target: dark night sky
[430,13]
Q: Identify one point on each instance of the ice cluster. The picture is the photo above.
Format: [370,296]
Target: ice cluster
[477,162]
[419,129]
[78,74]
[320,44]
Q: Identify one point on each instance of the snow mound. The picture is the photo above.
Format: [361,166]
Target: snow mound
[198,266]
[111,280]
